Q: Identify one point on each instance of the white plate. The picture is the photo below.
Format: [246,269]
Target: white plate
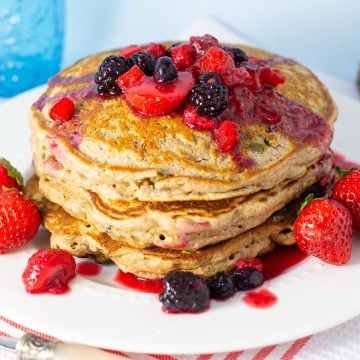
[312,296]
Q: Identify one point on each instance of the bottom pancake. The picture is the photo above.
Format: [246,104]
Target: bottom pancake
[82,239]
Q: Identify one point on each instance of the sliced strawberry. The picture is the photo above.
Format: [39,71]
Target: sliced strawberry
[271,76]
[215,60]
[129,50]
[10,178]
[253,262]
[324,229]
[347,192]
[202,43]
[155,49]
[183,55]
[195,121]
[49,270]
[131,78]
[63,110]
[19,220]
[227,135]
[151,99]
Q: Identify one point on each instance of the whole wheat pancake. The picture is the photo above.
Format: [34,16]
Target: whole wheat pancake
[82,239]
[116,153]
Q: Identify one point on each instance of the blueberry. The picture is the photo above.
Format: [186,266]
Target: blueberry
[209,78]
[146,62]
[239,54]
[165,70]
[221,286]
[247,278]
[209,99]
[184,292]
[109,70]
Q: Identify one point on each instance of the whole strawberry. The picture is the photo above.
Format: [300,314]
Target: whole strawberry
[10,178]
[49,270]
[347,192]
[19,220]
[324,229]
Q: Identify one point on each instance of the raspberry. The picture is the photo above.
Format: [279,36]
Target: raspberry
[131,78]
[194,121]
[247,278]
[184,292]
[202,43]
[271,76]
[221,286]
[209,99]
[226,135]
[238,77]
[183,55]
[146,62]
[215,60]
[238,54]
[254,263]
[165,70]
[63,110]
[129,50]
[109,70]
[49,270]
[155,49]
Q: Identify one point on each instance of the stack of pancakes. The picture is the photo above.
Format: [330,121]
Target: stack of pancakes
[153,195]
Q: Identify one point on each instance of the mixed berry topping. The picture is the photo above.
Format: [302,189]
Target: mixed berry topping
[221,286]
[184,292]
[247,278]
[146,62]
[238,54]
[165,70]
[183,55]
[109,70]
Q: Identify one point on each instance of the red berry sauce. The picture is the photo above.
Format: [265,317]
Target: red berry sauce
[88,268]
[341,161]
[138,283]
[260,299]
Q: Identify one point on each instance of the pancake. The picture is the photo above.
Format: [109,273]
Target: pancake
[118,154]
[187,225]
[82,239]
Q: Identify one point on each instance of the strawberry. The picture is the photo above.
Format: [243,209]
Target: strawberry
[19,220]
[63,110]
[195,121]
[10,178]
[49,270]
[151,99]
[227,135]
[130,78]
[271,76]
[253,262]
[347,192]
[203,43]
[183,55]
[129,50]
[324,229]
[215,60]
[155,49]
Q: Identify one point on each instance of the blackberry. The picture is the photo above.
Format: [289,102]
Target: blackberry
[247,278]
[209,99]
[165,70]
[239,55]
[109,70]
[209,78]
[146,62]
[221,286]
[184,292]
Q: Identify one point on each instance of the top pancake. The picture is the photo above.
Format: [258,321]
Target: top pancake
[113,151]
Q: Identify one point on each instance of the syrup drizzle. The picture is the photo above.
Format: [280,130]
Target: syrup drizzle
[132,281]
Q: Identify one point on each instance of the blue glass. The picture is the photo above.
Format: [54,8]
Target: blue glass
[31,42]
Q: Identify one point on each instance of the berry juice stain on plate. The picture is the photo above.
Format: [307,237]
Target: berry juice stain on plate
[138,283]
[260,299]
[88,268]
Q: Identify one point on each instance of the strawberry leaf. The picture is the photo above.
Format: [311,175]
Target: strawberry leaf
[342,173]
[309,198]
[12,172]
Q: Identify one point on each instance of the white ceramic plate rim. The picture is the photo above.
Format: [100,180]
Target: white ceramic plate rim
[311,295]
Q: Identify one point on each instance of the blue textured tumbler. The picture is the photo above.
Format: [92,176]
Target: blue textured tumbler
[31,41]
